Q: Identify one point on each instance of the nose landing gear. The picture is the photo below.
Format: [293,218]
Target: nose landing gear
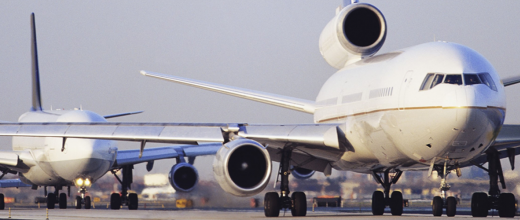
[443,202]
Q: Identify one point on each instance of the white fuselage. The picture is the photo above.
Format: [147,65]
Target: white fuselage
[52,164]
[392,120]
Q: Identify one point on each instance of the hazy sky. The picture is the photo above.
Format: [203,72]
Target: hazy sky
[91,52]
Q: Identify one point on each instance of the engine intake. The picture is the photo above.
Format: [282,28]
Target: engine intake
[302,173]
[183,177]
[357,31]
[242,167]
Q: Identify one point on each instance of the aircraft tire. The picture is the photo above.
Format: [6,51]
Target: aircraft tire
[299,204]
[437,205]
[479,204]
[506,202]
[51,200]
[271,204]
[78,202]
[115,201]
[396,205]
[62,202]
[378,203]
[2,203]
[88,202]
[451,206]
[133,201]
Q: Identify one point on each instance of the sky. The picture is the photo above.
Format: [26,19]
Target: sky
[91,52]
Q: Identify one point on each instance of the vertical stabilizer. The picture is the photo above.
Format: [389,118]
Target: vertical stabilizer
[36,98]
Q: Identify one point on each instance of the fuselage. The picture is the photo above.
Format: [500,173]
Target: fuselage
[53,164]
[403,109]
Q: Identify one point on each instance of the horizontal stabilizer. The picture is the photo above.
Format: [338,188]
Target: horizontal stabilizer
[302,105]
[122,114]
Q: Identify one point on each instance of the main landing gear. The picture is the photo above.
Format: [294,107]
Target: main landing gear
[297,203]
[505,203]
[131,200]
[441,202]
[380,200]
[57,197]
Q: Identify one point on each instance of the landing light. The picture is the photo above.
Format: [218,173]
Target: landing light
[83,182]
[79,182]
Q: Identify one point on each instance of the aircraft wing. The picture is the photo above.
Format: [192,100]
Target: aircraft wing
[127,157]
[13,183]
[507,144]
[511,80]
[302,105]
[315,145]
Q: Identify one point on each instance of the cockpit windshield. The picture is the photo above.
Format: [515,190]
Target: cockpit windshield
[433,79]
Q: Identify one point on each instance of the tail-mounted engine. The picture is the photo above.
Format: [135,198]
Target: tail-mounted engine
[357,31]
[302,173]
[242,167]
[183,177]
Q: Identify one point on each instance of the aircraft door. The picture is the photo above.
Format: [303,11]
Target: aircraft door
[405,84]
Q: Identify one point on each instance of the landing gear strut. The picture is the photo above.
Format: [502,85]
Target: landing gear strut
[380,200]
[56,197]
[82,199]
[297,203]
[505,203]
[131,200]
[441,202]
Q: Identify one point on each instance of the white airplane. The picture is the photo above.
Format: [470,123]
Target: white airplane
[42,160]
[435,106]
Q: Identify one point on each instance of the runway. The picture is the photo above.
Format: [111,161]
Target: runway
[34,213]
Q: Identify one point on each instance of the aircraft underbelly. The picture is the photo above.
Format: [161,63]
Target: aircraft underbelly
[409,139]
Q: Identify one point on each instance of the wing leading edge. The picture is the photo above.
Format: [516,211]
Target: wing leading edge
[297,104]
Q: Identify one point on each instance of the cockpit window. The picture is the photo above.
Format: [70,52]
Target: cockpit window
[453,79]
[471,79]
[433,79]
[486,79]
[437,80]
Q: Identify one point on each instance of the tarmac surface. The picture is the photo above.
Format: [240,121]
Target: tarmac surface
[321,213]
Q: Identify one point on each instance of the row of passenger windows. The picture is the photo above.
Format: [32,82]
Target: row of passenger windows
[433,79]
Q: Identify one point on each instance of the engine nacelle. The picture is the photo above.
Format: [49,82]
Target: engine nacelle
[183,177]
[302,173]
[242,167]
[357,31]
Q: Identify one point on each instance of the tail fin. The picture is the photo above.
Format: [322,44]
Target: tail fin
[36,98]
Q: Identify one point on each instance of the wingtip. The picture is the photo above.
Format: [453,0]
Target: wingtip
[144,73]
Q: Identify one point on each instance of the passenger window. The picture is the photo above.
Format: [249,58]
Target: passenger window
[427,81]
[486,79]
[437,80]
[471,79]
[453,79]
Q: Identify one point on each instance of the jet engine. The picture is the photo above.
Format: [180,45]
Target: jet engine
[242,167]
[302,173]
[357,31]
[183,177]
